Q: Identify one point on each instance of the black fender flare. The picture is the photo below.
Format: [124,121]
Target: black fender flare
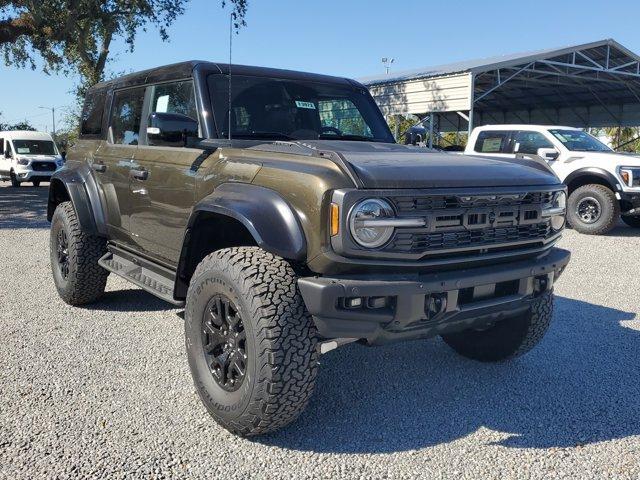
[271,221]
[597,172]
[81,188]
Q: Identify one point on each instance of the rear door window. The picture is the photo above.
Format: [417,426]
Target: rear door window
[126,116]
[530,142]
[496,141]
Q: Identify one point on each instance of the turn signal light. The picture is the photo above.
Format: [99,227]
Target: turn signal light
[335,219]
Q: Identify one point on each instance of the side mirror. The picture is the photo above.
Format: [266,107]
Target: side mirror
[548,154]
[7,153]
[171,129]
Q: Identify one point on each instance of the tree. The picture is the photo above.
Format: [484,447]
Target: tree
[76,35]
[15,126]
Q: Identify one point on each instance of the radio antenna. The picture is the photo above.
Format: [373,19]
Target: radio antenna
[230,51]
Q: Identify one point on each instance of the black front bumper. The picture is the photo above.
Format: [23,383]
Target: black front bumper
[400,307]
[630,202]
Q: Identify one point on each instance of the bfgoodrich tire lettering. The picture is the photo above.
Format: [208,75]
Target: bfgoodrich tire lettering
[280,345]
[79,280]
[607,203]
[508,338]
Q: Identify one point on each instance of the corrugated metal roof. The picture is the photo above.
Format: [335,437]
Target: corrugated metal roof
[488,64]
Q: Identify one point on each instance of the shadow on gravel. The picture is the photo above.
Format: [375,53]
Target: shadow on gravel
[23,207]
[580,385]
[130,300]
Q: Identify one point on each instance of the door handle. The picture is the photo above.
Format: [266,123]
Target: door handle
[99,167]
[139,174]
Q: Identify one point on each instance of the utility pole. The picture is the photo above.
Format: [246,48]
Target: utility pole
[53,117]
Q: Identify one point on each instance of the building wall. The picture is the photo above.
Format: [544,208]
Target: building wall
[442,94]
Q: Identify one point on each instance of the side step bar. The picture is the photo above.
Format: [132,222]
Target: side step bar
[153,278]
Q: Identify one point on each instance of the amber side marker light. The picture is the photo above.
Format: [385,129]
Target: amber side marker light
[335,219]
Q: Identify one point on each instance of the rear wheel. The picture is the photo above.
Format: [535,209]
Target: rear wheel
[250,342]
[593,209]
[74,258]
[507,338]
[14,179]
[631,220]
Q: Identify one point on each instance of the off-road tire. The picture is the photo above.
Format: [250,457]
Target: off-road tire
[36,183]
[14,180]
[610,209]
[631,220]
[282,360]
[508,338]
[86,280]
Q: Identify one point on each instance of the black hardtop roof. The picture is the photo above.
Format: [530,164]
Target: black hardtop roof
[185,69]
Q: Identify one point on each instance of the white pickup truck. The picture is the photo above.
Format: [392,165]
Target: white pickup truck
[603,185]
[28,156]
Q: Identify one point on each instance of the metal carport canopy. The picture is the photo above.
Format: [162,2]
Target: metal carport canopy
[591,85]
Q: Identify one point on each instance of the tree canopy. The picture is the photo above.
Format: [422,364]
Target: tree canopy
[76,35]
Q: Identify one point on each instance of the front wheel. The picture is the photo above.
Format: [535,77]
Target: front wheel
[631,220]
[593,209]
[251,344]
[507,338]
[14,180]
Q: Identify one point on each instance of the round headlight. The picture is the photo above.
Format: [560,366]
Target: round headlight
[560,201]
[362,222]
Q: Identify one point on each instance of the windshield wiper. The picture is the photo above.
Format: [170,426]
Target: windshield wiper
[358,138]
[272,135]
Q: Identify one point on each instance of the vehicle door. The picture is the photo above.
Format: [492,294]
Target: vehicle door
[114,158]
[162,181]
[494,143]
[4,161]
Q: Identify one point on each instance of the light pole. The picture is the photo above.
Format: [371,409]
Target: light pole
[53,115]
[387,63]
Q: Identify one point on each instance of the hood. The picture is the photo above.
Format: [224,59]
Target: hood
[613,159]
[385,165]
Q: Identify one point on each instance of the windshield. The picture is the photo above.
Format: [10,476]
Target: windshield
[579,141]
[34,147]
[279,109]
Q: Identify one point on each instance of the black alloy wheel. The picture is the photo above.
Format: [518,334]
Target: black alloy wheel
[224,341]
[62,250]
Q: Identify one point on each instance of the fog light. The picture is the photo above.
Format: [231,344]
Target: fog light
[354,302]
[377,302]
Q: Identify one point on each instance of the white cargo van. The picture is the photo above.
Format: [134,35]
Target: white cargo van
[27,156]
[603,185]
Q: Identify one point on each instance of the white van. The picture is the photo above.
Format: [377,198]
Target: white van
[28,157]
[603,185]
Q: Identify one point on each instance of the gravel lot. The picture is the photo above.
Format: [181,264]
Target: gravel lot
[105,391]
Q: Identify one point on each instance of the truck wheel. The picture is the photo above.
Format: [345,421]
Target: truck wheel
[74,258]
[250,342]
[507,338]
[593,209]
[14,179]
[631,220]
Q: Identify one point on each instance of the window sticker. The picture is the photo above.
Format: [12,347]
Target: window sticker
[162,105]
[308,105]
[23,150]
[492,145]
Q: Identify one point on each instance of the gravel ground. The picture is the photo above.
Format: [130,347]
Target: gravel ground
[105,391]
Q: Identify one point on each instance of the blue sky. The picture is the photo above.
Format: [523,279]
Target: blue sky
[346,38]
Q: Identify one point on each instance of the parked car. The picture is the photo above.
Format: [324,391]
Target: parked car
[307,230]
[603,185]
[28,157]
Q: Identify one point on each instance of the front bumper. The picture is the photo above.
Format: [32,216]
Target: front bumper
[28,175]
[402,307]
[630,202]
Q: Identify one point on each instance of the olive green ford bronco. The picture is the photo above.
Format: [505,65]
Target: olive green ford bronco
[277,208]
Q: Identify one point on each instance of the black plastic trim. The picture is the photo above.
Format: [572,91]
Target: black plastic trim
[594,171]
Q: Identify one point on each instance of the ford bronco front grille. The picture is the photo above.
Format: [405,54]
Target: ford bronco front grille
[456,223]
